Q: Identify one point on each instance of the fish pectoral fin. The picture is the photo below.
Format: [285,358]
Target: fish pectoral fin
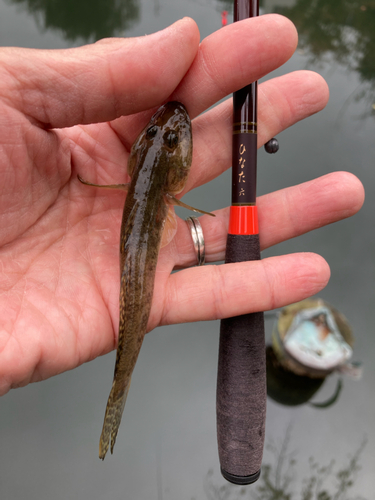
[174,201]
[123,187]
[170,228]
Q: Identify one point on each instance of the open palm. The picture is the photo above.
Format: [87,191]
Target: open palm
[79,111]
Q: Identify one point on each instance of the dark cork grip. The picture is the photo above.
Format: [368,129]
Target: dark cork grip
[241,383]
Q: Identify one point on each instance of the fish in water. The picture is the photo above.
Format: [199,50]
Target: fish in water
[158,165]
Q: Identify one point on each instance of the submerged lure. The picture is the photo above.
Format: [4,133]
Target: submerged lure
[158,165]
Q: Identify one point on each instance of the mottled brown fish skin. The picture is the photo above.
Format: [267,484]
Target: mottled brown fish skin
[158,165]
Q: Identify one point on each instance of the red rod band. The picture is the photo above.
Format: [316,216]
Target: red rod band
[243,220]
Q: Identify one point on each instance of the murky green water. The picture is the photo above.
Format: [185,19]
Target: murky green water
[167,449]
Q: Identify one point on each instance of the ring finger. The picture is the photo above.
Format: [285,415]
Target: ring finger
[283,215]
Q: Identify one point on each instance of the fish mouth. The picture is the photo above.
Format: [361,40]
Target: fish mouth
[173,112]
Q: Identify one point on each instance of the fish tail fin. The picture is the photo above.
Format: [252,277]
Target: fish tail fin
[112,418]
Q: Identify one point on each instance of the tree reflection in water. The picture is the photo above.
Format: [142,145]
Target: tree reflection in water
[87,19]
[342,30]
[277,481]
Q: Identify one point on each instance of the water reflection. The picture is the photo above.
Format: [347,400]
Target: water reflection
[310,340]
[287,388]
[278,480]
[342,30]
[84,19]
[226,4]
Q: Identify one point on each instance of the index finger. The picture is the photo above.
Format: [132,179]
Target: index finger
[97,82]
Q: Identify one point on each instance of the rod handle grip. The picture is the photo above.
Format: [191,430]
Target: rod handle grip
[241,381]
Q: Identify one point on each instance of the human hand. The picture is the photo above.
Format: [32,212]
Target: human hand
[63,113]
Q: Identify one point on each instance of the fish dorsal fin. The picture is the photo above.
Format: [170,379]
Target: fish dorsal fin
[170,227]
[174,201]
[127,226]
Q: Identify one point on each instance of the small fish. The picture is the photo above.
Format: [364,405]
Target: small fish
[158,165]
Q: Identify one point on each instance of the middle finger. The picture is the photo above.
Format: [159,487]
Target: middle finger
[282,102]
[227,60]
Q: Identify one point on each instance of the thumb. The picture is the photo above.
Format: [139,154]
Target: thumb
[98,82]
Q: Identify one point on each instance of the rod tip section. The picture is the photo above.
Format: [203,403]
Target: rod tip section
[240,480]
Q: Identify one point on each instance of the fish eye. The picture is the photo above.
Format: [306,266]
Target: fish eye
[171,139]
[151,132]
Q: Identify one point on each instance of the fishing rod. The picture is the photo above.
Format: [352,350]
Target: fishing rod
[241,380]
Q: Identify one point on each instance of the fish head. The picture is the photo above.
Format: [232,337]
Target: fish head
[174,125]
[168,134]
